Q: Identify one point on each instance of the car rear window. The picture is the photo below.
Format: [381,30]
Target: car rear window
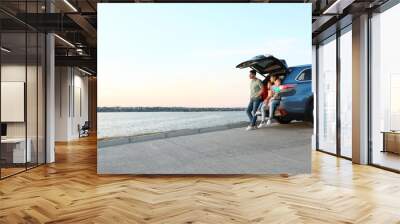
[305,75]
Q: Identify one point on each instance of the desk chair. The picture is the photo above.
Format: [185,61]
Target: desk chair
[84,130]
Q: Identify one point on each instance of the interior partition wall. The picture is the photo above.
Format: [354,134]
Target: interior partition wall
[385,89]
[23,88]
[14,154]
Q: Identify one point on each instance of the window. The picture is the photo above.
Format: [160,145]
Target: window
[304,76]
[385,89]
[346,94]
[327,96]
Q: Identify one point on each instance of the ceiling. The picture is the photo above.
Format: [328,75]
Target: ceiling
[75,21]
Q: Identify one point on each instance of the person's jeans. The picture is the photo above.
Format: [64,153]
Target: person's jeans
[252,109]
[272,106]
[263,109]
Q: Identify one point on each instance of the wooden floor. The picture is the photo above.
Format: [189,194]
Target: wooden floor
[70,191]
[387,159]
[5,172]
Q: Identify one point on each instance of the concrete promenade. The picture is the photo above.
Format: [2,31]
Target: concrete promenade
[273,150]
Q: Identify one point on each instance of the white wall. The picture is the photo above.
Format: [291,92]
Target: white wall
[314,90]
[71,102]
[80,109]
[62,82]
[33,126]
[12,73]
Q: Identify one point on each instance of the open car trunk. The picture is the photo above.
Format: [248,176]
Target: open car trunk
[265,64]
[268,65]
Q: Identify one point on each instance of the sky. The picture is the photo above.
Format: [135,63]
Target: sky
[153,54]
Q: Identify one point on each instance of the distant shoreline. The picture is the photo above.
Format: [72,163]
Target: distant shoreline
[168,109]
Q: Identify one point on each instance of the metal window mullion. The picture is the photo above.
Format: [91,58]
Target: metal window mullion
[0,95]
[26,87]
[316,105]
[73,92]
[37,96]
[338,95]
[69,93]
[45,93]
[369,95]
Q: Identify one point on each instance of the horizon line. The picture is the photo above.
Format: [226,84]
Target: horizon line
[174,106]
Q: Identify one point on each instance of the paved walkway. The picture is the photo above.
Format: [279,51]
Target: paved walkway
[273,150]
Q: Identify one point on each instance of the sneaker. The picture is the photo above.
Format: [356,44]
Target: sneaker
[249,128]
[261,125]
[269,122]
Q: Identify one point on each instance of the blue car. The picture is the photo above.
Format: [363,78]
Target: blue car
[297,101]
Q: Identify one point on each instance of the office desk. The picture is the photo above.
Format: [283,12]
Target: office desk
[13,150]
[391,141]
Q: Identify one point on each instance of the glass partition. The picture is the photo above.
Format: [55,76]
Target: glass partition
[22,108]
[327,96]
[14,153]
[31,97]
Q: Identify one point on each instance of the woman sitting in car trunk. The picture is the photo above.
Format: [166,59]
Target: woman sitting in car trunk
[271,101]
[275,99]
[266,95]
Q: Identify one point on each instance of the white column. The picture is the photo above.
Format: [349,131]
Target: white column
[50,92]
[50,99]
[360,90]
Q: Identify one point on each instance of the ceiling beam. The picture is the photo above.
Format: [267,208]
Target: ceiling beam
[83,23]
[81,61]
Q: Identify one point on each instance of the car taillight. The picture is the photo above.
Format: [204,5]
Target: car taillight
[287,86]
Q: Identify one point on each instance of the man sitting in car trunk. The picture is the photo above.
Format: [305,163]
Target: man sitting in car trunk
[256,89]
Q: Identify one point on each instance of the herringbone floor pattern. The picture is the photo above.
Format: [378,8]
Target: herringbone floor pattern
[70,191]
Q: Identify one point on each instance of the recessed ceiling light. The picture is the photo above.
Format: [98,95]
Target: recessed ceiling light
[338,6]
[70,5]
[64,40]
[5,50]
[84,71]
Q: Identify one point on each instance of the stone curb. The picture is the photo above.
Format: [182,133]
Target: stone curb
[163,135]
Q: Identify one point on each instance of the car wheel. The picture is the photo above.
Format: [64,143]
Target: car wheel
[283,120]
[310,112]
